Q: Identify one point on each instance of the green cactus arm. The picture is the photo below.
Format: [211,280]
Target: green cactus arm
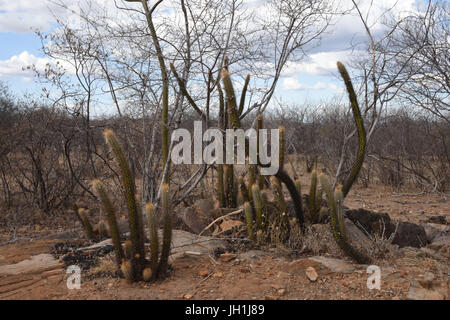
[249,219]
[258,205]
[312,197]
[153,232]
[86,223]
[167,231]
[112,222]
[137,238]
[232,111]
[282,145]
[243,94]
[244,190]
[340,238]
[295,195]
[360,128]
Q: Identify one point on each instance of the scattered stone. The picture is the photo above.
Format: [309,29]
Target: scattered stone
[433,291]
[311,274]
[335,265]
[226,257]
[230,224]
[437,219]
[245,270]
[188,296]
[218,275]
[252,255]
[203,273]
[272,298]
[281,292]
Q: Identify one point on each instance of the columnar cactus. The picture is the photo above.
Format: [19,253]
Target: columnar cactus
[134,214]
[337,223]
[360,128]
[167,231]
[154,242]
[112,222]
[86,223]
[258,205]
[249,219]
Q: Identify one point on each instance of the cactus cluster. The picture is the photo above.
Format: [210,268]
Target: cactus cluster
[255,205]
[132,261]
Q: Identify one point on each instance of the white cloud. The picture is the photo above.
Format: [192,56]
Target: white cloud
[322,63]
[292,83]
[18,65]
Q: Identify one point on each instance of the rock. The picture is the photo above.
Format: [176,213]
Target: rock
[441,244]
[203,273]
[335,265]
[203,207]
[252,255]
[311,274]
[319,239]
[192,220]
[35,264]
[434,290]
[410,234]
[226,257]
[281,292]
[230,224]
[437,219]
[371,222]
[183,243]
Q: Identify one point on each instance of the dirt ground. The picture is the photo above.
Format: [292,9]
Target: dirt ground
[269,274]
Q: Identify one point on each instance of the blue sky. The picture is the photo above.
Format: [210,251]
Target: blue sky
[311,80]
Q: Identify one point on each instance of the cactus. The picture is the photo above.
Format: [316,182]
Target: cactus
[249,219]
[315,199]
[112,222]
[295,195]
[337,224]
[134,214]
[258,205]
[233,116]
[154,242]
[281,145]
[128,248]
[298,186]
[244,92]
[147,274]
[278,191]
[102,231]
[167,231]
[360,128]
[244,191]
[339,198]
[229,184]
[86,223]
[127,270]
